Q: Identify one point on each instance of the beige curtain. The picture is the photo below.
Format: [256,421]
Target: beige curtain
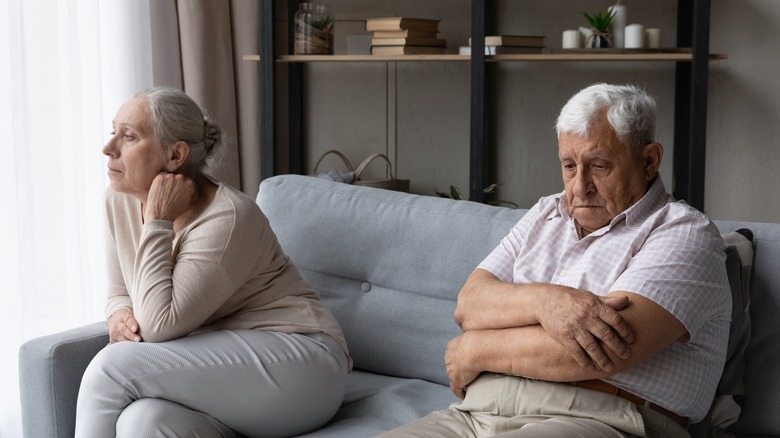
[214,36]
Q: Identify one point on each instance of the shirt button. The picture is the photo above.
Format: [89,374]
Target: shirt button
[563,273]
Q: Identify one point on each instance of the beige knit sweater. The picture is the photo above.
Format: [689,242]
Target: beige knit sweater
[225,270]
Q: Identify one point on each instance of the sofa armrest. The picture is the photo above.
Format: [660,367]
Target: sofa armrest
[50,371]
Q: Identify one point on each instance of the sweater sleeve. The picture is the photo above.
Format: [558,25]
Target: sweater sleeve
[118,297]
[173,297]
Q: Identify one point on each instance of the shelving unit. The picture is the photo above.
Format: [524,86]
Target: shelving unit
[691,79]
[682,56]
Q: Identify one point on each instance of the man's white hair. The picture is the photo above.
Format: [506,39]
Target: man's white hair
[629,111]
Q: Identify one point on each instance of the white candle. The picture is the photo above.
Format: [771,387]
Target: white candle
[635,36]
[571,39]
[653,38]
[617,28]
[586,33]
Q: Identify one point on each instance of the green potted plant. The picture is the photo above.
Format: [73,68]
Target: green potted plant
[599,22]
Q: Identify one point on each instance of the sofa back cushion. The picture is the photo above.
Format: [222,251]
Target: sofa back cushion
[762,382]
[730,395]
[388,265]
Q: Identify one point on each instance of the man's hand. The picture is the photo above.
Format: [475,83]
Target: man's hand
[169,197]
[586,325]
[458,371]
[122,326]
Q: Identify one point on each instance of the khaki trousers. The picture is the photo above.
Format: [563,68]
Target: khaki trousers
[513,407]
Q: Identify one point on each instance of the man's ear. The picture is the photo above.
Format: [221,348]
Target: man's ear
[177,156]
[652,153]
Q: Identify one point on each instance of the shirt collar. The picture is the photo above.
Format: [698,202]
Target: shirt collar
[634,216]
[655,198]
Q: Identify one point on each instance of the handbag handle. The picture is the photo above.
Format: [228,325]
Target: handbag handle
[333,151]
[369,159]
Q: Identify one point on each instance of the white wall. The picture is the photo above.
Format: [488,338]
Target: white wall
[418,113]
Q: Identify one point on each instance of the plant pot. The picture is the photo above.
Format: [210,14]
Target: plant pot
[600,40]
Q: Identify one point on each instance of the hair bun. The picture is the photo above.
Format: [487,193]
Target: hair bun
[212,134]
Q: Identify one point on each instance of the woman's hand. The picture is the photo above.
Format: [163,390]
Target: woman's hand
[170,196]
[122,326]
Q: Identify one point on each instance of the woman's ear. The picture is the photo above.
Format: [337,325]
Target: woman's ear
[652,154]
[177,156]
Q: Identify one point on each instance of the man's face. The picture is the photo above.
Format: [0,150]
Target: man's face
[602,176]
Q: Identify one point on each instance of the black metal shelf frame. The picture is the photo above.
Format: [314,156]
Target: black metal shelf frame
[690,115]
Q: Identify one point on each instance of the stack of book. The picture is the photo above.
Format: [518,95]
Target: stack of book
[405,36]
[508,44]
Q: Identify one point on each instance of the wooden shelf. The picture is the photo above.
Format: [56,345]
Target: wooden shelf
[682,56]
[361,58]
[610,57]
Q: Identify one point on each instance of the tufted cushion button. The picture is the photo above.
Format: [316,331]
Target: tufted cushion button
[365,287]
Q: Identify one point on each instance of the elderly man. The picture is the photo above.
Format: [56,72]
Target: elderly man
[605,310]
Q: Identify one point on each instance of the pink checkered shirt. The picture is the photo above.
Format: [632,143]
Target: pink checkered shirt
[664,250]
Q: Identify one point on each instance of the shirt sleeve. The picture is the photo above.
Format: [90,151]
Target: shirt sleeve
[681,267]
[501,261]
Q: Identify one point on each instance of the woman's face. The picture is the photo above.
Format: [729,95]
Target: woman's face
[133,156]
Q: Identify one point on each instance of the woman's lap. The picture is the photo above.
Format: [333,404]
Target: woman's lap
[251,381]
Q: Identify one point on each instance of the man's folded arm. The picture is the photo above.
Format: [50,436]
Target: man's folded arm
[584,323]
[530,351]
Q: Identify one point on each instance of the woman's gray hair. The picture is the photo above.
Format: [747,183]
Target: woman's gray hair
[630,112]
[176,117]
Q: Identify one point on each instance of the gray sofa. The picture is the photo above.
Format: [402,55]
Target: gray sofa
[390,265]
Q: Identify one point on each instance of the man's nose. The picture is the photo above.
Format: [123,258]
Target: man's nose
[583,184]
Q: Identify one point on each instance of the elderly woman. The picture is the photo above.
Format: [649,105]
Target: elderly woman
[213,331]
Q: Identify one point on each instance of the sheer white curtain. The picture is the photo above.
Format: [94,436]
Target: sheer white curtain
[65,67]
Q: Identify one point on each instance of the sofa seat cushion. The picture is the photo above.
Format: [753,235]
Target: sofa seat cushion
[375,403]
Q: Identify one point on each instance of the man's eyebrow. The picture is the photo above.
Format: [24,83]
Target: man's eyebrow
[597,155]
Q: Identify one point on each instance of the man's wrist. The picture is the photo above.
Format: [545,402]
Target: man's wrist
[466,350]
[485,351]
[538,293]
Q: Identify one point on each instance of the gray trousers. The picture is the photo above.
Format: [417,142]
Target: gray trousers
[515,407]
[218,384]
